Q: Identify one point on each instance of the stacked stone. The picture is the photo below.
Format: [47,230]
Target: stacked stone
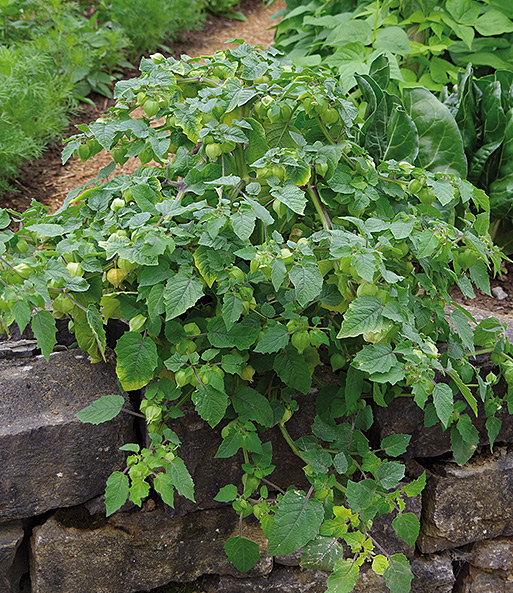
[52,517]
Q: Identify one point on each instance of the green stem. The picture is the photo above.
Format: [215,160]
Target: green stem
[321,212]
[290,442]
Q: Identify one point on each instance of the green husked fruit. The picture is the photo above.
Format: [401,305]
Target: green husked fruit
[116,276]
[213,150]
[151,108]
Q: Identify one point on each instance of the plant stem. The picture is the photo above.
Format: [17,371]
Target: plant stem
[321,211]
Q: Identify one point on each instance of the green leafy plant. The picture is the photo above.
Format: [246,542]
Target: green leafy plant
[149,24]
[427,42]
[263,245]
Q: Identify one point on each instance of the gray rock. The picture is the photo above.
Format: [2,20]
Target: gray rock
[134,551]
[432,574]
[476,580]
[499,293]
[49,458]
[493,554]
[469,503]
[11,536]
[281,580]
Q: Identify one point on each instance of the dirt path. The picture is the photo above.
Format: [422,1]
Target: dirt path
[47,181]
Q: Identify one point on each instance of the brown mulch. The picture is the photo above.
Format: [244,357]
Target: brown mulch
[48,181]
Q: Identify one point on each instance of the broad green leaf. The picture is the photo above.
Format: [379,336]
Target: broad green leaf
[139,489]
[181,478]
[395,444]
[116,492]
[44,329]
[182,292]
[307,280]
[241,335]
[501,187]
[359,495]
[46,229]
[464,439]
[398,575]
[364,314]
[232,308]
[22,313]
[379,564]
[155,301]
[440,143]
[251,405]
[375,358]
[344,577]
[296,522]
[493,22]
[321,553]
[257,145]
[393,40]
[242,552]
[388,132]
[390,474]
[226,493]
[273,340]
[103,409]
[163,484]
[444,402]
[230,444]
[340,462]
[292,369]
[415,487]
[465,391]
[209,263]
[136,359]
[407,527]
[95,322]
[243,222]
[290,195]
[493,427]
[210,403]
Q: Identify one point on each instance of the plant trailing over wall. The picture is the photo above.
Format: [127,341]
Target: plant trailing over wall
[270,244]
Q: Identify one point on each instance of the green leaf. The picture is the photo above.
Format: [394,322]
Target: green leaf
[210,403]
[493,427]
[415,487]
[398,575]
[231,443]
[43,326]
[155,301]
[95,322]
[251,405]
[116,492]
[344,577]
[243,222]
[395,444]
[464,439]
[407,527]
[390,473]
[292,369]
[296,522]
[364,314]
[242,552]
[181,478]
[375,358]
[139,489]
[274,339]
[226,493]
[359,495]
[321,553]
[163,484]
[393,40]
[440,142]
[465,391]
[22,313]
[182,292]
[493,22]
[307,280]
[340,462]
[232,308]
[290,195]
[136,359]
[103,409]
[444,402]
[241,335]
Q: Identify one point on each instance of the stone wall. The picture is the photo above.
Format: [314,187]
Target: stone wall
[55,538]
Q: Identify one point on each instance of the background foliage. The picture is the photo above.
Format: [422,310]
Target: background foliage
[55,53]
